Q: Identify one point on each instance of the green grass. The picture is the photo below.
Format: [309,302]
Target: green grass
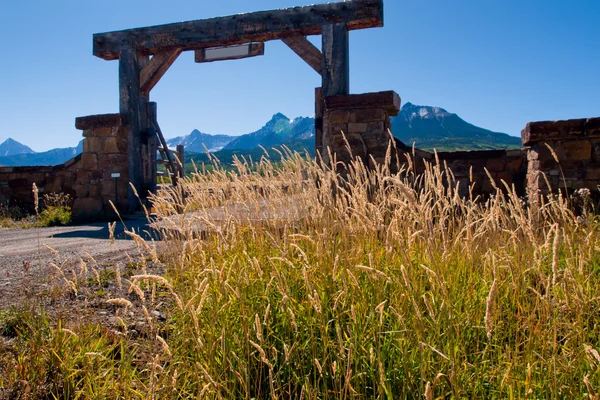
[377,286]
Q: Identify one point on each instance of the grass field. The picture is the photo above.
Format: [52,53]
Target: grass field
[372,286]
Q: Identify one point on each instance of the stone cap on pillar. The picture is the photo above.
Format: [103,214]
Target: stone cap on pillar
[560,130]
[388,101]
[100,121]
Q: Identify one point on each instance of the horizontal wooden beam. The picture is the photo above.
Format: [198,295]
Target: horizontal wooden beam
[306,51]
[156,68]
[230,52]
[243,28]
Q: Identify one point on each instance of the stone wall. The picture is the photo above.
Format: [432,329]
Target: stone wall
[472,170]
[574,161]
[469,169]
[87,178]
[363,121]
[358,126]
[16,183]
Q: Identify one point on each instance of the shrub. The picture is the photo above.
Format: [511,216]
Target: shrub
[56,210]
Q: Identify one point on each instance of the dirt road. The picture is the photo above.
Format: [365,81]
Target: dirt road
[25,259]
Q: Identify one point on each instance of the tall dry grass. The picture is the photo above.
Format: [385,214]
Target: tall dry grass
[290,281]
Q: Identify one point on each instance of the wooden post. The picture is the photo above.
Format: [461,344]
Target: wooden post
[135,106]
[181,158]
[336,65]
[152,149]
[336,76]
[319,120]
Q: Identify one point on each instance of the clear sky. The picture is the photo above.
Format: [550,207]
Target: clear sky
[496,63]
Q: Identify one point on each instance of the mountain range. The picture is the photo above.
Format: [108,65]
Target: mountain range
[424,126]
[50,157]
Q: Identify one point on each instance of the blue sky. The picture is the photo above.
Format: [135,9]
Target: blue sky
[498,64]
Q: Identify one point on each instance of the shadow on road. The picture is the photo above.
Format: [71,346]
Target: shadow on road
[100,231]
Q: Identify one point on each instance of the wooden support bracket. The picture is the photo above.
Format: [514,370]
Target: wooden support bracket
[156,68]
[306,51]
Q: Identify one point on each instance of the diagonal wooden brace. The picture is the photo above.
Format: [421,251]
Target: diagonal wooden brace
[154,70]
[306,51]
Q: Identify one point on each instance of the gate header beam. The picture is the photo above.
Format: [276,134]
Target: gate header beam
[242,28]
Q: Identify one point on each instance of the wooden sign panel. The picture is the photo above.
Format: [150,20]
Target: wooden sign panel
[229,52]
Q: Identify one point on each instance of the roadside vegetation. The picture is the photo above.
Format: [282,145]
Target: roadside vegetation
[291,281]
[54,210]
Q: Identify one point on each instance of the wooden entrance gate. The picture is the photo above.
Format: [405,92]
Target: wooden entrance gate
[145,55]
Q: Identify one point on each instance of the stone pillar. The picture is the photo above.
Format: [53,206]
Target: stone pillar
[576,144]
[104,154]
[364,120]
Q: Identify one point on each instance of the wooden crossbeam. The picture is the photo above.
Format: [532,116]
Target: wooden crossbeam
[156,68]
[306,51]
[243,28]
[236,52]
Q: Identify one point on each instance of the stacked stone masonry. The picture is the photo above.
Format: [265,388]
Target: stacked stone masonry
[104,154]
[359,126]
[562,155]
[16,183]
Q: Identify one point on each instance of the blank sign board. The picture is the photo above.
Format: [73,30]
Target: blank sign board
[230,52]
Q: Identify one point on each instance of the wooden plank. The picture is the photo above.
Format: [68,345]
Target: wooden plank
[306,51]
[236,52]
[336,63]
[156,68]
[135,106]
[243,28]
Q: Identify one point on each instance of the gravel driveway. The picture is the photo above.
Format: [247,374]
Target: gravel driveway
[25,259]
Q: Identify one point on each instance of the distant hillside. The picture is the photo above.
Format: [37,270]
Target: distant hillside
[50,157]
[11,147]
[434,128]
